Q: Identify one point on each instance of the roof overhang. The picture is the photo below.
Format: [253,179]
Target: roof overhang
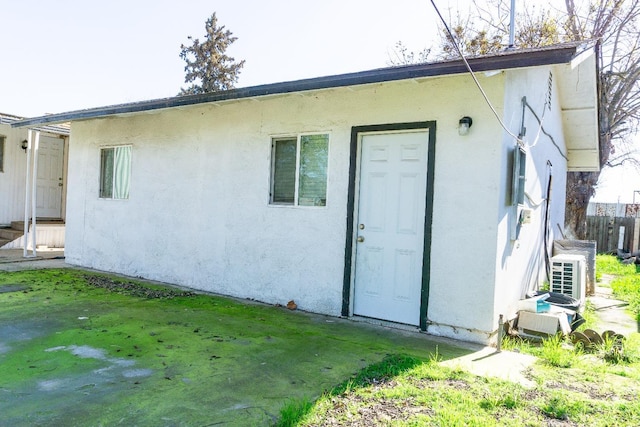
[578,93]
[509,59]
[53,129]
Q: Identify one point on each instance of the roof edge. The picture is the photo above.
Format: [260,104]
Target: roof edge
[557,54]
[55,129]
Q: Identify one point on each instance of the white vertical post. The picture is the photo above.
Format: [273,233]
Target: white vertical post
[34,196]
[512,24]
[27,195]
[621,237]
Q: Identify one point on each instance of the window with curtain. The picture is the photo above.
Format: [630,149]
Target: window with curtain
[299,170]
[115,172]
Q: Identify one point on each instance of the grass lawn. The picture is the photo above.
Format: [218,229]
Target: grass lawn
[83,349]
[80,348]
[574,386]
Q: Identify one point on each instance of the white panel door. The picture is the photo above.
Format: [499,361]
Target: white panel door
[49,178]
[390,227]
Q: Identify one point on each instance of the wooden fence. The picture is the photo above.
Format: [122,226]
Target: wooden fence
[606,231]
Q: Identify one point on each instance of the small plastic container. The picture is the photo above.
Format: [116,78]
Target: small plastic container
[537,304]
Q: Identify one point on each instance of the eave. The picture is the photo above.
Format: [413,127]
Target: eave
[559,54]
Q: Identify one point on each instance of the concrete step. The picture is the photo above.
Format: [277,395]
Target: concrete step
[17,225]
[10,234]
[51,233]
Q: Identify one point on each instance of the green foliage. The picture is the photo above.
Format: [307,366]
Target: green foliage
[294,411]
[610,264]
[613,351]
[389,367]
[557,407]
[511,400]
[431,394]
[589,315]
[555,353]
[209,68]
[626,284]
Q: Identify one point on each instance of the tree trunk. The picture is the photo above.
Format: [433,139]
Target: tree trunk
[580,188]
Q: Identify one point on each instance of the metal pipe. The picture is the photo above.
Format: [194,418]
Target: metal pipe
[512,21]
[500,332]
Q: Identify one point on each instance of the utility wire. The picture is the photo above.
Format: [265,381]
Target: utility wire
[466,63]
[541,128]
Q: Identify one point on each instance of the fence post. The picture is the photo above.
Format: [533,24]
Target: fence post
[621,238]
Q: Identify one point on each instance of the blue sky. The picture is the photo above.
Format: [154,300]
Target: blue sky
[67,55]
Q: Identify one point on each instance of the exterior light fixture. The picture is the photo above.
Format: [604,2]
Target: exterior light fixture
[24,145]
[464,124]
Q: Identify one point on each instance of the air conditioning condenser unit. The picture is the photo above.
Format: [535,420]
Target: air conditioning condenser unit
[568,276]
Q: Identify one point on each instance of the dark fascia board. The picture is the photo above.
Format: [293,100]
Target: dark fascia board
[558,54]
[9,119]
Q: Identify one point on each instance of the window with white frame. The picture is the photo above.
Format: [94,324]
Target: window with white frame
[299,170]
[2,139]
[115,172]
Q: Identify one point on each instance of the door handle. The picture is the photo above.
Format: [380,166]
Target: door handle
[360,239]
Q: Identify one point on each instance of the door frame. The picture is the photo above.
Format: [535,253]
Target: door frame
[354,170]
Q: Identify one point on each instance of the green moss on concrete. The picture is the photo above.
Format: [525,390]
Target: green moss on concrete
[188,360]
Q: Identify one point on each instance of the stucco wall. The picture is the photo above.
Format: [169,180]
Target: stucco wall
[198,213]
[520,264]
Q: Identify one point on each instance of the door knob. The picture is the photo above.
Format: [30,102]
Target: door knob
[360,239]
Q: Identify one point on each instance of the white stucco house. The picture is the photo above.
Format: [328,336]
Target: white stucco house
[363,195]
[50,182]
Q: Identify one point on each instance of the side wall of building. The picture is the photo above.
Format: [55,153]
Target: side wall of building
[526,231]
[198,213]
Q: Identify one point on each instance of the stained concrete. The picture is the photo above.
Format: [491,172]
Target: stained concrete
[488,362]
[14,260]
[612,314]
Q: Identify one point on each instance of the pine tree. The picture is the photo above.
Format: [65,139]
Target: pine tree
[209,68]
